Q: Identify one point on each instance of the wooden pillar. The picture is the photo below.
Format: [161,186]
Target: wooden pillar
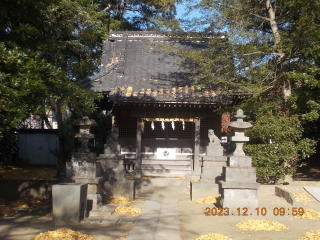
[138,148]
[196,167]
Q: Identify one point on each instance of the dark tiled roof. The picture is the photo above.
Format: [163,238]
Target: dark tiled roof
[135,69]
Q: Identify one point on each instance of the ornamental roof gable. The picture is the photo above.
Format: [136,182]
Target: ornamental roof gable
[136,67]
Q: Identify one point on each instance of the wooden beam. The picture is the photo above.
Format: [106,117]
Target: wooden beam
[196,166]
[138,148]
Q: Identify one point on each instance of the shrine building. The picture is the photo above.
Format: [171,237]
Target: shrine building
[162,117]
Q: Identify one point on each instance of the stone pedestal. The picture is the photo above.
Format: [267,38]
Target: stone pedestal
[212,163]
[239,188]
[69,203]
[214,150]
[85,169]
[211,170]
[112,170]
[115,181]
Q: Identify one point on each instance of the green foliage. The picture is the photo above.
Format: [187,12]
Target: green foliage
[25,81]
[144,14]
[47,47]
[301,43]
[276,145]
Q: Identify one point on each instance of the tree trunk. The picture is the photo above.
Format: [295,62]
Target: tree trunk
[281,56]
[273,23]
[46,121]
[66,141]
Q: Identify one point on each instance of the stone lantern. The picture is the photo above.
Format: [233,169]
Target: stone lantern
[84,167]
[239,139]
[239,187]
[84,132]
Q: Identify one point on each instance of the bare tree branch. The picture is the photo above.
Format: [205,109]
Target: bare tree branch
[241,9]
[108,7]
[254,53]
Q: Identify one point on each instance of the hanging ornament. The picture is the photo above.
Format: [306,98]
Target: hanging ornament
[152,125]
[172,124]
[162,124]
[183,125]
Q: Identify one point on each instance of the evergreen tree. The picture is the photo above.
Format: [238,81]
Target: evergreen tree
[275,58]
[48,47]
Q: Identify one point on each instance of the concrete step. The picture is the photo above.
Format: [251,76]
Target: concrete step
[179,195]
[162,182]
[164,172]
[162,166]
[104,211]
[177,157]
[166,162]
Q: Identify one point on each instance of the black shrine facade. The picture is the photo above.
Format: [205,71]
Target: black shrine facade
[162,117]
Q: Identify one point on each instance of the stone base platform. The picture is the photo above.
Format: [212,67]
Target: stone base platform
[200,190]
[119,189]
[239,194]
[69,203]
[212,169]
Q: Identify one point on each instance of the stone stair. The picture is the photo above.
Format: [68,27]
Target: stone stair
[150,166]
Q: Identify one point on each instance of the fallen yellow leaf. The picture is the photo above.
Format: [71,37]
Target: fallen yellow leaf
[26,202]
[128,210]
[261,225]
[62,234]
[312,235]
[118,200]
[309,214]
[209,200]
[212,236]
[7,211]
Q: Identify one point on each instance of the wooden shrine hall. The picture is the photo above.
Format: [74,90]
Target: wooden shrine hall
[162,117]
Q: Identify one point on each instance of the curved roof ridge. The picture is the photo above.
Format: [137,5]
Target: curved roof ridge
[148,34]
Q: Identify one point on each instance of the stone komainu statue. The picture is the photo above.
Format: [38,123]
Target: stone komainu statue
[213,138]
